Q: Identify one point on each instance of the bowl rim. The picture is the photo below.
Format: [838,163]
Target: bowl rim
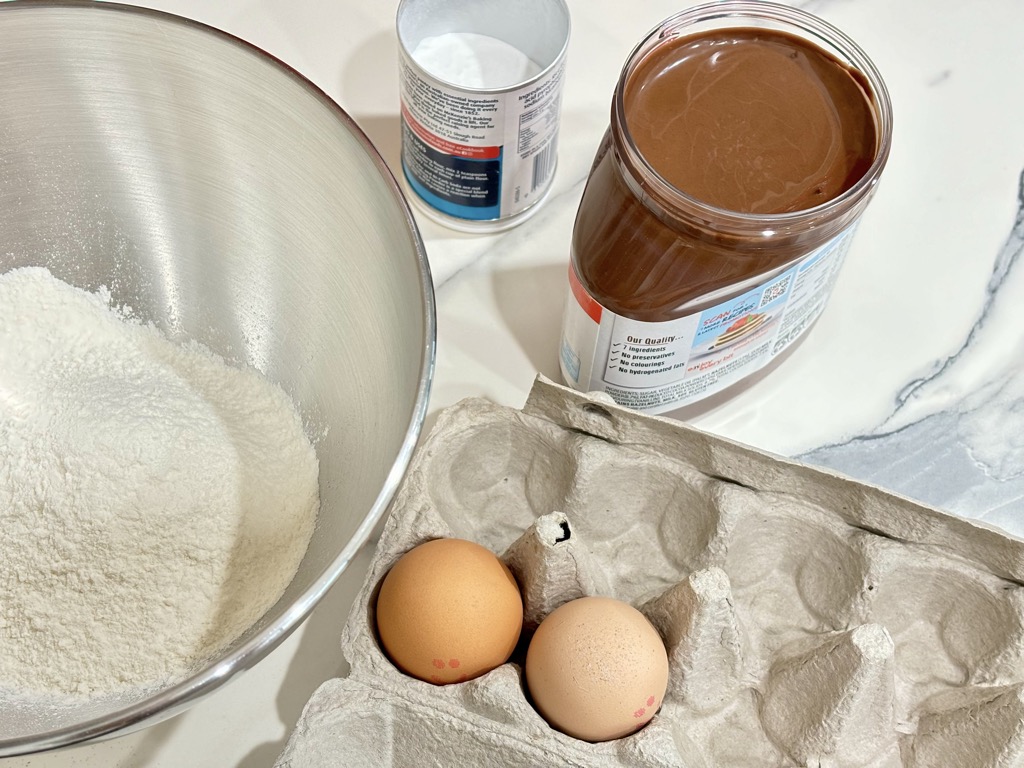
[174,699]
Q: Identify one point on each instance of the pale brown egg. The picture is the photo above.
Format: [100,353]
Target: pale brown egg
[449,610]
[597,669]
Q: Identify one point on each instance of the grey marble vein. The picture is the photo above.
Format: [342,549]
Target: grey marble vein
[1007,259]
[966,456]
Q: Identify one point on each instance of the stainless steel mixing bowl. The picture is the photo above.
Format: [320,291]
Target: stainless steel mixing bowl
[228,200]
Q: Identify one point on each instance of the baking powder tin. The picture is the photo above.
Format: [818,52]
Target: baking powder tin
[482,160]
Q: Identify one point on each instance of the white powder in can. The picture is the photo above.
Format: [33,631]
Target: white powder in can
[154,501]
[474,61]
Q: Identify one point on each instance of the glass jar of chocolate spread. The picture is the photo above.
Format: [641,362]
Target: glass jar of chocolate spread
[746,140]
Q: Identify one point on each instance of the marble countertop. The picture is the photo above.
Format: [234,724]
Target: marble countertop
[912,379]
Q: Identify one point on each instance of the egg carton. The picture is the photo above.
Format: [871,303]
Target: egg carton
[810,620]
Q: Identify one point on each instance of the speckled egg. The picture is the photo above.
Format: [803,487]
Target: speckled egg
[597,669]
[448,611]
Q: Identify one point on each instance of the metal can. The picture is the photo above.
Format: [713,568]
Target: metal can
[480,155]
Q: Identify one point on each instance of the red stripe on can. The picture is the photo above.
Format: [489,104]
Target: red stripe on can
[449,147]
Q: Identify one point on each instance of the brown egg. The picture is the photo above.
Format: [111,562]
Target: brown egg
[449,610]
[597,669]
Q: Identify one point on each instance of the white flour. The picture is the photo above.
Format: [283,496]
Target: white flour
[154,501]
[474,61]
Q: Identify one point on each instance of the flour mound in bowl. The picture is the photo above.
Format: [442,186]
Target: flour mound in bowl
[154,500]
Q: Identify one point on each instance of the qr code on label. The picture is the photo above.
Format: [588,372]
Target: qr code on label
[774,291]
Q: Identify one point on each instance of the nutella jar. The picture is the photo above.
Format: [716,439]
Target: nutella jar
[746,140]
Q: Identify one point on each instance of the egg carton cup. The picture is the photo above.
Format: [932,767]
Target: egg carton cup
[810,620]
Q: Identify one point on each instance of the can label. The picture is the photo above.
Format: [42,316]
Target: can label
[479,156]
[661,366]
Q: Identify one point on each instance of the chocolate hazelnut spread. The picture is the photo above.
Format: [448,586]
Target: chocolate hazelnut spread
[720,203]
[751,120]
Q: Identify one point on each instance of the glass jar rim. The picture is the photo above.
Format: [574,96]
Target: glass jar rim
[766,12]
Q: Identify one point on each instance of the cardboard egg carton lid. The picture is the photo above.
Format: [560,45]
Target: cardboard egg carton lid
[810,619]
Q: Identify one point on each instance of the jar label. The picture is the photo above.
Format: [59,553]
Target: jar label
[661,366]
